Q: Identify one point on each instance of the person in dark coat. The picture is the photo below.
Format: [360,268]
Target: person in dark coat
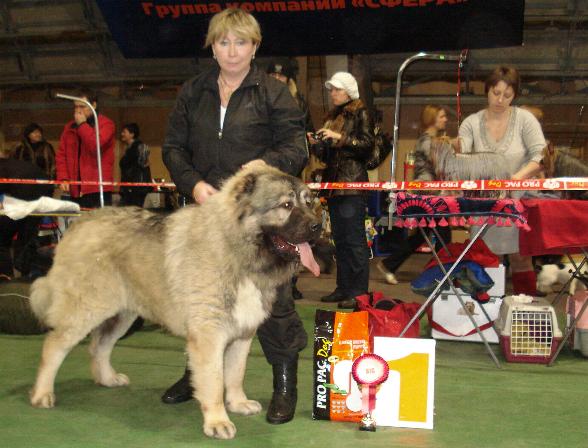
[228,117]
[35,149]
[345,142]
[134,166]
[26,229]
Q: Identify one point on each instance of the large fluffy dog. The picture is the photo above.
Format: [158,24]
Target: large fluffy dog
[208,273]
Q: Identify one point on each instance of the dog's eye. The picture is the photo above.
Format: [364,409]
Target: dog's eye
[288,205]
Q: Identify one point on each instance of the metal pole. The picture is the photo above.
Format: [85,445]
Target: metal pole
[406,63]
[97,128]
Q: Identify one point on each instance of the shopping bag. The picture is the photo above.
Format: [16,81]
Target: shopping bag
[388,317]
[339,339]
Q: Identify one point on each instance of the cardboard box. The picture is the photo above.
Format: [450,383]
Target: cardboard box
[450,322]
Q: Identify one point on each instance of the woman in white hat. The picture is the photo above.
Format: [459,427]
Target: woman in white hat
[344,143]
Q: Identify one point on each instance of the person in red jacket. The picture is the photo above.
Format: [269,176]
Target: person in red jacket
[76,156]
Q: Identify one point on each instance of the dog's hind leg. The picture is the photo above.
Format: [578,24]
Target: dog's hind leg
[103,339]
[235,361]
[206,348]
[56,346]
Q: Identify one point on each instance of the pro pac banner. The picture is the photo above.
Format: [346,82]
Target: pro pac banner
[177,28]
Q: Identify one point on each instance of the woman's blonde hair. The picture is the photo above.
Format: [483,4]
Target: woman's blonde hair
[429,115]
[234,20]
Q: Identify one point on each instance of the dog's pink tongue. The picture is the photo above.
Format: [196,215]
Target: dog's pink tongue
[307,258]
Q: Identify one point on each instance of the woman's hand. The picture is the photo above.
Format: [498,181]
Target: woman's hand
[327,133]
[202,191]
[311,139]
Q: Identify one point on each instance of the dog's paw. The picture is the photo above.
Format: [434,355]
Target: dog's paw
[116,380]
[247,407]
[42,400]
[220,429]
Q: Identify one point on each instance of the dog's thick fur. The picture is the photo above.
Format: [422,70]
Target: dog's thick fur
[450,165]
[208,273]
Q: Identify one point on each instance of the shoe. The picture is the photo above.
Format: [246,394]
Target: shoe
[181,391]
[283,404]
[335,296]
[349,303]
[388,276]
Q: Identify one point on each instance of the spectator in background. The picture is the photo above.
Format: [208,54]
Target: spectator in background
[344,143]
[285,70]
[26,228]
[134,166]
[76,158]
[433,124]
[35,149]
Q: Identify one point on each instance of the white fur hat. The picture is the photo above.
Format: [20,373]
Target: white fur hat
[345,81]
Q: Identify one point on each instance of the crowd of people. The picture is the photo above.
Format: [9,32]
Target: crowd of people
[237,114]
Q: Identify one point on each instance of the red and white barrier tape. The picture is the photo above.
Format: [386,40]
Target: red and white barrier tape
[556,184]
[78,182]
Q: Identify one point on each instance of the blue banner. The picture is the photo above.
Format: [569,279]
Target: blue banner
[177,28]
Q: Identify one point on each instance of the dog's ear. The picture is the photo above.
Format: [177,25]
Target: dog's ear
[245,186]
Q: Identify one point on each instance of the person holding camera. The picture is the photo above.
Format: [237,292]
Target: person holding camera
[344,144]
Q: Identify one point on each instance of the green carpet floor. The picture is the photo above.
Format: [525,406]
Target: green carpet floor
[476,405]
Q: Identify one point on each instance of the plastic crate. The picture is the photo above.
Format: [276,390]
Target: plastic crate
[528,329]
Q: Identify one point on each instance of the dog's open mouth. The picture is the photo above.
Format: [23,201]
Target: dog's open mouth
[302,250]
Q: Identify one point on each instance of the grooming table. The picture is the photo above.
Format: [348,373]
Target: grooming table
[431,211]
[559,227]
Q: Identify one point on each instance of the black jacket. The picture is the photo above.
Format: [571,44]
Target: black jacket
[131,167]
[19,169]
[346,159]
[262,122]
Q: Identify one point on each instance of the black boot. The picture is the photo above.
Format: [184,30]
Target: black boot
[283,405]
[181,391]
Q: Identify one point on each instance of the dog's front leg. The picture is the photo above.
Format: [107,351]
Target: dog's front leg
[234,367]
[206,348]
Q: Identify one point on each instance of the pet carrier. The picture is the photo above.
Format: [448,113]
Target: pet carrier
[528,329]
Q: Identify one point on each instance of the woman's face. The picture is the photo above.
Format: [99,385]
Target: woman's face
[234,54]
[36,136]
[500,97]
[339,96]
[441,120]
[126,136]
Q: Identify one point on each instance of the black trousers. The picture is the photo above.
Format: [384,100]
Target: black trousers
[26,229]
[402,247]
[347,213]
[282,335]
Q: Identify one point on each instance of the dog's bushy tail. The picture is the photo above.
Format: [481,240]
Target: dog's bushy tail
[40,297]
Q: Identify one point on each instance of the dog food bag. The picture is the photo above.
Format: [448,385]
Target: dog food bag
[339,339]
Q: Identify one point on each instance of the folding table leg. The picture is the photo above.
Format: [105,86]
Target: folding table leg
[433,296]
[576,274]
[461,301]
[572,326]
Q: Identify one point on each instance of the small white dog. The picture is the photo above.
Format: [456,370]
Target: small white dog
[552,274]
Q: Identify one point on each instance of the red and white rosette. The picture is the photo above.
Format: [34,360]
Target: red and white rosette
[369,371]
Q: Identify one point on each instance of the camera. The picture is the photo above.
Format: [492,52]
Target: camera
[322,146]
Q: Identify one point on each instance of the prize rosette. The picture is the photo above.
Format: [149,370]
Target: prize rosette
[369,371]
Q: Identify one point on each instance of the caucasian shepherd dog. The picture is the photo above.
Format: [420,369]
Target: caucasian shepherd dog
[208,273]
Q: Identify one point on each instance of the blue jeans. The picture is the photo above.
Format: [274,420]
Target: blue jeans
[347,214]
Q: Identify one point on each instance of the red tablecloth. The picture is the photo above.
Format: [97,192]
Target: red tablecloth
[557,226]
